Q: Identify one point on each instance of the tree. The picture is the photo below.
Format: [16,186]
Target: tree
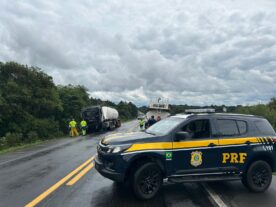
[127,110]
[261,110]
[272,104]
[29,101]
[73,99]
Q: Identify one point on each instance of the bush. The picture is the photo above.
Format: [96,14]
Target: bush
[32,136]
[13,139]
[3,143]
[46,128]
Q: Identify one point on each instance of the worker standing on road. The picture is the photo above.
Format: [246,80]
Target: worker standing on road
[141,123]
[73,128]
[83,127]
[151,121]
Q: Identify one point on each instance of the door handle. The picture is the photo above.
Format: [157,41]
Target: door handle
[212,145]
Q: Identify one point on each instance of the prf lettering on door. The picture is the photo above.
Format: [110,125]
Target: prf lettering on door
[233,157]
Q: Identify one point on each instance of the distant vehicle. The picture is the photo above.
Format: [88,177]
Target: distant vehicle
[141,115]
[158,108]
[100,118]
[192,148]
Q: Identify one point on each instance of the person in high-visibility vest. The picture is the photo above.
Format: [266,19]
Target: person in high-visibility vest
[83,127]
[142,123]
[73,128]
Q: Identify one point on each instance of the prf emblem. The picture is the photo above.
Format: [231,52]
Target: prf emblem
[196,158]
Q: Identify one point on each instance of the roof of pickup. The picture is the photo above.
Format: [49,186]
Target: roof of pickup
[185,116]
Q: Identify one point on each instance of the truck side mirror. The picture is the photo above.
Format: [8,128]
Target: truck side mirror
[181,135]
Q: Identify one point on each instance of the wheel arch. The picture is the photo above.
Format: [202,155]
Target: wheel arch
[139,160]
[262,156]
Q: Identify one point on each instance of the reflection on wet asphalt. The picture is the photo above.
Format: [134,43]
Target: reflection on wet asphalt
[235,194]
[170,195]
[108,193]
[94,190]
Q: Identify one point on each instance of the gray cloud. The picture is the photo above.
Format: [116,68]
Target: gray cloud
[194,52]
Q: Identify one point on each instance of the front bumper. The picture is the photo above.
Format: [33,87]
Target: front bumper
[119,177]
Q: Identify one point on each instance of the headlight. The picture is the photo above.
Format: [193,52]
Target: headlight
[117,149]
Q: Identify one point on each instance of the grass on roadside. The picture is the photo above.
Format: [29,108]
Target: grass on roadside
[23,146]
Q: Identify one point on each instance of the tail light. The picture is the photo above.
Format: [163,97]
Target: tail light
[274,139]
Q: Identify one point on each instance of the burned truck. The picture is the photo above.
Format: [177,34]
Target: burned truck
[100,118]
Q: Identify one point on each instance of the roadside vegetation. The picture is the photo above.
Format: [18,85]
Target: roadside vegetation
[266,110]
[33,108]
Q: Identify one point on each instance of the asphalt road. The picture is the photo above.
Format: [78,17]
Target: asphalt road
[55,178]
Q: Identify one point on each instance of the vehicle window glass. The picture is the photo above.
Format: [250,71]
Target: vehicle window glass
[227,127]
[198,129]
[164,126]
[264,127]
[91,113]
[242,127]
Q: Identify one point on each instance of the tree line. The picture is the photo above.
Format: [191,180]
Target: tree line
[33,108]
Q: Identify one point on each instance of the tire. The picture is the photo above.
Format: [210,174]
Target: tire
[258,177]
[147,181]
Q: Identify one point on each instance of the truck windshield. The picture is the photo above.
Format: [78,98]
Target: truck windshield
[163,127]
[91,113]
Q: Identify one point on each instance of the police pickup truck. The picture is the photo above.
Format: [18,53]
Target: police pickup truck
[188,148]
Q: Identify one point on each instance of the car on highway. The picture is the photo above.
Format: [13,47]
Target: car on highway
[191,148]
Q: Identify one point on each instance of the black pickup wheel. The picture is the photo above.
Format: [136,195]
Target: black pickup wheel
[147,181]
[258,176]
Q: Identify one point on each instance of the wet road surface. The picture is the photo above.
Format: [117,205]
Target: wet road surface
[46,180]
[25,181]
[236,195]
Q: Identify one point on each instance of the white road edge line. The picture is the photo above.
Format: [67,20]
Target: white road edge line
[215,197]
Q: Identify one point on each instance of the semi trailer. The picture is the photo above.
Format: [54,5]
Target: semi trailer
[100,118]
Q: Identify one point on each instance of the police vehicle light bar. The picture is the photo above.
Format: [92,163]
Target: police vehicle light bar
[207,110]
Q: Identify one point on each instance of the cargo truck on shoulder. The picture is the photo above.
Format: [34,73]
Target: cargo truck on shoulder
[101,118]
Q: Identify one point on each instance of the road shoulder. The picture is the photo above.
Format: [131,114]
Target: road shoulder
[30,152]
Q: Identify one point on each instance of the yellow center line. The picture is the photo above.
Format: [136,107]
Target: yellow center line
[58,184]
[80,175]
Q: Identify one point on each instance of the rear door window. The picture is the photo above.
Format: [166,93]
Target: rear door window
[242,125]
[227,127]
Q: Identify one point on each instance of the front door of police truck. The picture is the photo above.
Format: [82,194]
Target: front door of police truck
[197,154]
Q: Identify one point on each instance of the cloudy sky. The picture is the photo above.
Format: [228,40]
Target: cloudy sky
[191,52]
